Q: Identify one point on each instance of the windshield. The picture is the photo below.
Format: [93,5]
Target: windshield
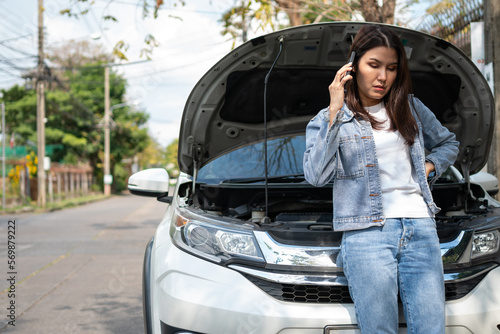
[284,158]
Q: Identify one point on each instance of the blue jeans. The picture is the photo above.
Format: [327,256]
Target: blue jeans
[403,254]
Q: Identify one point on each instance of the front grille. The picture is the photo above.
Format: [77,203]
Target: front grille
[303,293]
[310,293]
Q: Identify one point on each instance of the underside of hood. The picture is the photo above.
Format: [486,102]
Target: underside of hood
[225,110]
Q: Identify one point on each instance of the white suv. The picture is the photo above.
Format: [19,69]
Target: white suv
[215,266]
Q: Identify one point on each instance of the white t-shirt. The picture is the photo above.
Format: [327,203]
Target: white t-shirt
[401,194]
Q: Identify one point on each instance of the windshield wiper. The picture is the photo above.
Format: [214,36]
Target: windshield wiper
[287,178]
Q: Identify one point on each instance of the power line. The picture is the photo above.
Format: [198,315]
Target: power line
[16,38]
[9,82]
[8,62]
[98,66]
[85,19]
[11,14]
[22,58]
[163,8]
[167,69]
[20,51]
[13,27]
[9,73]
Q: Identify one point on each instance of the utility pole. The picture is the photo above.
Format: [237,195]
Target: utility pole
[108,178]
[3,152]
[492,54]
[107,173]
[40,114]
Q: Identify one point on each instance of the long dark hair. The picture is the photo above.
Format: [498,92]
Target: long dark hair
[396,100]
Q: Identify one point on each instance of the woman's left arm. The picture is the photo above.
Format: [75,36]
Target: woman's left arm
[438,140]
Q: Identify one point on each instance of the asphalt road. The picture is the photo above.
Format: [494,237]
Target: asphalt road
[76,270]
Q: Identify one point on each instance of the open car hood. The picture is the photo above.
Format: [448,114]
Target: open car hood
[225,110]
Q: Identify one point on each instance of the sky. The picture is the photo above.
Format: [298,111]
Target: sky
[188,48]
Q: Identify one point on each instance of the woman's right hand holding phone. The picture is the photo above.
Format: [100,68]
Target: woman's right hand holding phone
[336,89]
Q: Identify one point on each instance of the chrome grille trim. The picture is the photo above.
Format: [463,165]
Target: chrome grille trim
[299,256]
[459,249]
[289,278]
[473,272]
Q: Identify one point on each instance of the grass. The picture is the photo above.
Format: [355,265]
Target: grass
[56,205]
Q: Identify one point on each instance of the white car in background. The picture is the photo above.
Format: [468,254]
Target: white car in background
[217,266]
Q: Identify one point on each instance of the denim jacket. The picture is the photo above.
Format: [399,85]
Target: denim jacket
[345,154]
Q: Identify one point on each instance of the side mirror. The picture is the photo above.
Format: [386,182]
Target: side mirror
[153,182]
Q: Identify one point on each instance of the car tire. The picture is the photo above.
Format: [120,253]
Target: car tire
[146,289]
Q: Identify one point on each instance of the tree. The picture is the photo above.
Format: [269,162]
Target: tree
[74,112]
[74,54]
[152,156]
[171,158]
[314,11]
[265,14]
[373,12]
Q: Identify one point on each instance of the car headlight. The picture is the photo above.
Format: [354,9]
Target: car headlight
[214,239]
[485,243]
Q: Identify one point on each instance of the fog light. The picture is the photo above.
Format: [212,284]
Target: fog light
[485,243]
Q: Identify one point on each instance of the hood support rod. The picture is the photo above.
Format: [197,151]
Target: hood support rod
[266,219]
[466,164]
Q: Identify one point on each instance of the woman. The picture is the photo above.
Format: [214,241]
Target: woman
[370,143]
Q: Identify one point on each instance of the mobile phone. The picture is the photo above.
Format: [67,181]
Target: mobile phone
[351,59]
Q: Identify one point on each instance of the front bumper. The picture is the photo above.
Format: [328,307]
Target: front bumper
[199,296]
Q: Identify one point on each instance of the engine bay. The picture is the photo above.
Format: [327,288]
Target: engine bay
[299,205]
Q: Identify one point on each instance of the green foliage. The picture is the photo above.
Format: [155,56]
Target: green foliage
[151,44]
[441,7]
[129,136]
[171,158]
[54,135]
[120,49]
[74,141]
[25,134]
[109,17]
[74,111]
[171,152]
[152,156]
[120,175]
[236,21]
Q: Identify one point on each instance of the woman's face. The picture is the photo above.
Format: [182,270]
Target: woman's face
[376,72]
